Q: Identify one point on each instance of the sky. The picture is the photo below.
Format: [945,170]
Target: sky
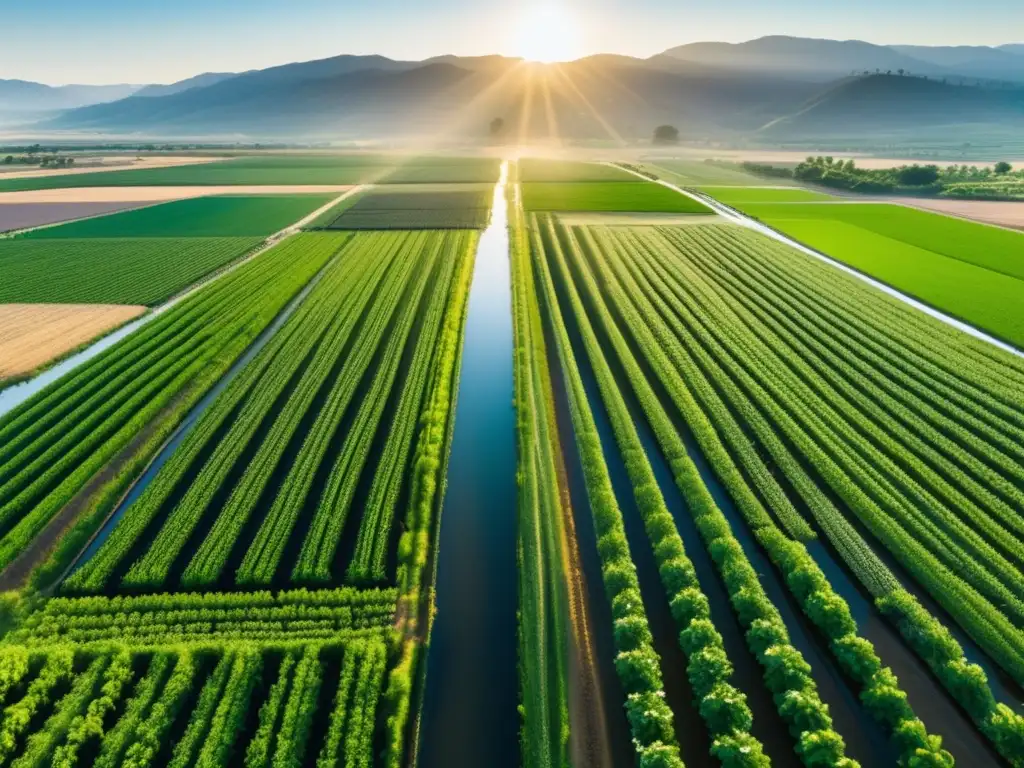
[147,41]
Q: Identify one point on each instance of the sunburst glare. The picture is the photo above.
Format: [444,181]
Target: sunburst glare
[547,33]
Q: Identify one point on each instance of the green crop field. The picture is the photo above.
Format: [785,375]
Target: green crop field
[346,407]
[111,271]
[380,208]
[171,360]
[698,173]
[743,195]
[539,169]
[216,216]
[820,408]
[280,170]
[638,489]
[971,271]
[639,196]
[379,284]
[993,248]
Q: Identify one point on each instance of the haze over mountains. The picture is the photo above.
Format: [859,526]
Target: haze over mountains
[772,88]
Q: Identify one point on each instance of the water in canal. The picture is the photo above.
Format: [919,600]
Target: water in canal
[470,704]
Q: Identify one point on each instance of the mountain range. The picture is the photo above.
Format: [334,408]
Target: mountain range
[775,88]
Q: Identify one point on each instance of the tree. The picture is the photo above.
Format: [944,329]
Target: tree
[918,175]
[9,159]
[1002,167]
[666,134]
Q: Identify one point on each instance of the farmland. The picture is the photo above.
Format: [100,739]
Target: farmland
[571,471]
[111,270]
[291,490]
[33,334]
[215,216]
[630,196]
[23,215]
[544,170]
[700,173]
[971,271]
[741,195]
[142,256]
[437,206]
[701,333]
[281,170]
[153,374]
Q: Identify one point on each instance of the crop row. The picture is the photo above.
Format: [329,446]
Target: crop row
[111,271]
[697,338]
[374,538]
[636,662]
[287,439]
[879,689]
[544,606]
[197,617]
[787,674]
[906,499]
[316,313]
[53,444]
[175,707]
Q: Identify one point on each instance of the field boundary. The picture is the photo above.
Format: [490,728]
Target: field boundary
[13,395]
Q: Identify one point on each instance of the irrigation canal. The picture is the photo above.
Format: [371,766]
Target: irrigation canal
[469,716]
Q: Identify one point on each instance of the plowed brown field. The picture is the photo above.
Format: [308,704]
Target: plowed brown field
[32,335]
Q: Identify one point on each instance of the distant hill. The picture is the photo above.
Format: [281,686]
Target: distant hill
[775,88]
[595,97]
[885,104]
[26,96]
[199,81]
[971,60]
[827,59]
[801,57]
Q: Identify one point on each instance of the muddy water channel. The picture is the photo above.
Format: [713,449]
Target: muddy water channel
[470,716]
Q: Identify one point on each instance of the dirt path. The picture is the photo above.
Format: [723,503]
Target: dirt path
[588,731]
[589,743]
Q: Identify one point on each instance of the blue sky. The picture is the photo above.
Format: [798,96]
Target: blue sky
[106,41]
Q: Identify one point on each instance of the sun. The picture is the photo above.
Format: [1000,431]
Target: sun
[547,33]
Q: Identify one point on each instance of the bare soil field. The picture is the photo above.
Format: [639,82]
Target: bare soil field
[109,164]
[32,335]
[1002,213]
[24,215]
[156,194]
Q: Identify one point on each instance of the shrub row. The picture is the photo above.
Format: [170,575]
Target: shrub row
[879,690]
[846,470]
[722,706]
[636,661]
